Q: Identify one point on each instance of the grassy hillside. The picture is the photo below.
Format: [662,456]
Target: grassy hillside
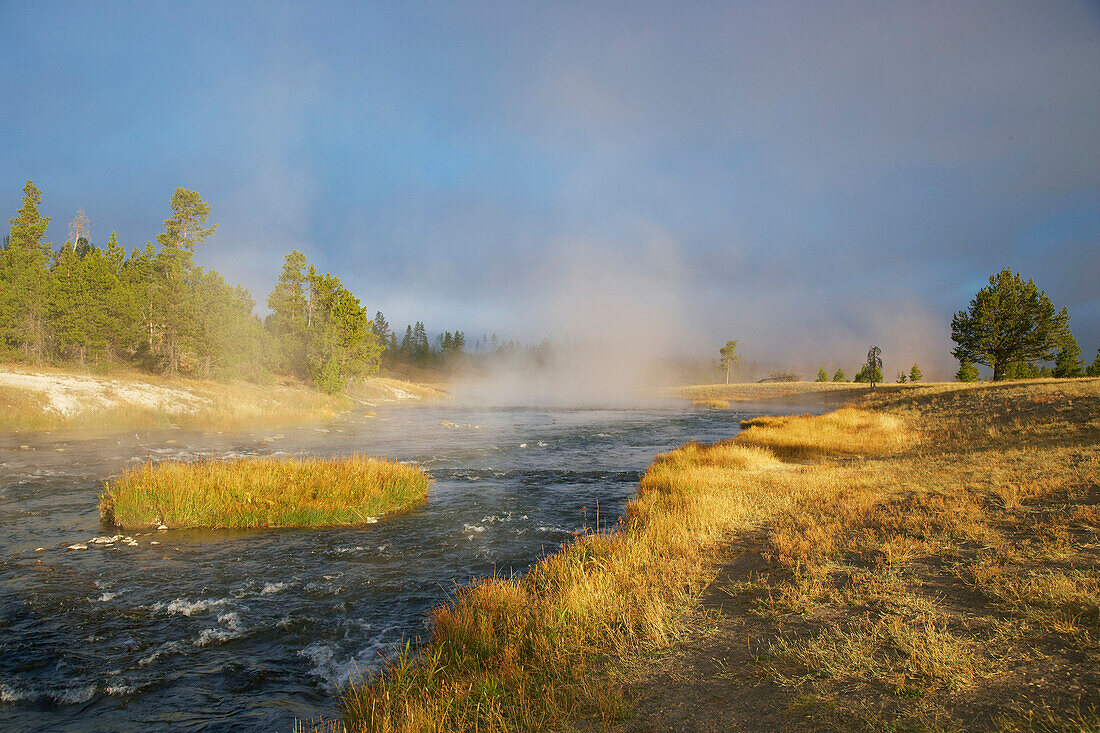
[926,559]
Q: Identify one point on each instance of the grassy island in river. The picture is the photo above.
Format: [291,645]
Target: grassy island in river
[262,492]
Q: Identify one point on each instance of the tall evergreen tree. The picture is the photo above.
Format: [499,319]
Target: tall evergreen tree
[1094,368]
[23,274]
[183,230]
[729,358]
[289,315]
[839,375]
[422,349]
[1068,362]
[915,374]
[381,328]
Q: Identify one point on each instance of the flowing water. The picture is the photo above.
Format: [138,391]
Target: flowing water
[249,630]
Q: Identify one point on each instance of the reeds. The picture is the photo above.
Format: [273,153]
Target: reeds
[262,492]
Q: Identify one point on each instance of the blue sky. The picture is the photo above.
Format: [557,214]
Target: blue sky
[809,178]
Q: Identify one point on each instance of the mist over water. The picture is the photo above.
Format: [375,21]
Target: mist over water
[613,322]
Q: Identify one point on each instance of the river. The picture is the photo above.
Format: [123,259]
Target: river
[250,630]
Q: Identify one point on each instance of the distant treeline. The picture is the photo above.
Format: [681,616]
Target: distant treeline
[156,310]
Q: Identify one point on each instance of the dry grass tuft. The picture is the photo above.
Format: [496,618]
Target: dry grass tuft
[262,492]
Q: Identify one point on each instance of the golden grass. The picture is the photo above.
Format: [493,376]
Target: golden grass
[525,654]
[845,432]
[203,404]
[982,486]
[713,404]
[262,492]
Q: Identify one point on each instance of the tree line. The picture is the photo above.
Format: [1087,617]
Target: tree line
[1011,327]
[155,309]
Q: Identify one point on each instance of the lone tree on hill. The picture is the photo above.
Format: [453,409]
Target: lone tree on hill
[1009,321]
[873,367]
[915,374]
[729,359]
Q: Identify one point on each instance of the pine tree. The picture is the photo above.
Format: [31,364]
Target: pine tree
[183,230]
[901,378]
[289,315]
[1094,367]
[1068,363]
[729,358]
[873,367]
[1009,322]
[140,280]
[341,344]
[229,339]
[915,373]
[1020,370]
[381,328]
[822,375]
[839,376]
[967,371]
[23,276]
[422,349]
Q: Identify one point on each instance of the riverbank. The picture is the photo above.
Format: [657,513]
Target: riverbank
[927,559]
[827,394]
[259,492]
[34,399]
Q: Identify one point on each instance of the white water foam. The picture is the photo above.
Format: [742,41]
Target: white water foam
[233,629]
[184,607]
[169,647]
[64,696]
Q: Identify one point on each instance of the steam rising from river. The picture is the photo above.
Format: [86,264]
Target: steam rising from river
[615,319]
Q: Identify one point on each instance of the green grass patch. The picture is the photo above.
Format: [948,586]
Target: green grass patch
[262,492]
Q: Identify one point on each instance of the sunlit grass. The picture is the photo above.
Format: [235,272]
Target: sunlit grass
[847,431]
[713,404]
[930,478]
[262,492]
[526,654]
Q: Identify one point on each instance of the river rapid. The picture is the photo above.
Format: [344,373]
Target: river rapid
[250,630]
